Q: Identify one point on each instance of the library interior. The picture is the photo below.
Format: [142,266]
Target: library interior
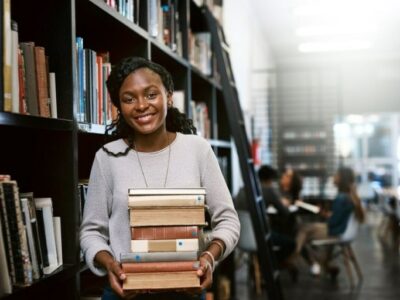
[257,144]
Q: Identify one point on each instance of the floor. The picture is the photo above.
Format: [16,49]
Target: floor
[379,264]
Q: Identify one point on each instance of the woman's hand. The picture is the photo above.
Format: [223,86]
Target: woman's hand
[115,277]
[205,272]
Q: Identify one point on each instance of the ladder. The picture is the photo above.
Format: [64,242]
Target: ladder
[252,185]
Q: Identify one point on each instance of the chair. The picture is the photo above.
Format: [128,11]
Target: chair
[344,242]
[247,243]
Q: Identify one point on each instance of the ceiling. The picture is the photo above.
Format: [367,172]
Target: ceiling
[279,21]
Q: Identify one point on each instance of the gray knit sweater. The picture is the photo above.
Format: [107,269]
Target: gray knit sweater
[105,224]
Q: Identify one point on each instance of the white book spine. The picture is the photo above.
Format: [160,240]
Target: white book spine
[57,233]
[53,94]
[14,72]
[45,204]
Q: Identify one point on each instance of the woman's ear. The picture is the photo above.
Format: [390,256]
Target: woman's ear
[170,101]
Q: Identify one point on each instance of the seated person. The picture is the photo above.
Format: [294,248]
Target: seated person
[291,184]
[271,196]
[345,203]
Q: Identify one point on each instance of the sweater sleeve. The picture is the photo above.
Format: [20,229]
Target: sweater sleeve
[94,232]
[224,219]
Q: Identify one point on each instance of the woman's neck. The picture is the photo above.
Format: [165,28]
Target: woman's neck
[153,142]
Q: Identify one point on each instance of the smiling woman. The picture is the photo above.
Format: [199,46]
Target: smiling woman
[153,145]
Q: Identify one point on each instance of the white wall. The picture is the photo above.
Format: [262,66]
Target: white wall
[249,52]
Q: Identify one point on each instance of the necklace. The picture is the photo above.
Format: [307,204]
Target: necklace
[141,167]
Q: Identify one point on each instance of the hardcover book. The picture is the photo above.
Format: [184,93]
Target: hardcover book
[170,266]
[167,216]
[161,280]
[165,232]
[179,245]
[136,257]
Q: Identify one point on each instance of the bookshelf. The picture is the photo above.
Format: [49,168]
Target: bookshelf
[48,156]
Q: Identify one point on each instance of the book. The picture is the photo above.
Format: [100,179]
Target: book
[167,216]
[177,245]
[170,266]
[136,257]
[164,232]
[7,57]
[307,206]
[161,280]
[44,212]
[31,239]
[19,243]
[5,280]
[53,94]
[31,94]
[14,68]
[58,238]
[166,200]
[167,191]
[41,82]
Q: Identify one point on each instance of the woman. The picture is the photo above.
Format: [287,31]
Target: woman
[345,203]
[149,150]
[291,184]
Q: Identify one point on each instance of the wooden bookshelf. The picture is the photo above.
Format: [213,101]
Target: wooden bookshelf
[49,156]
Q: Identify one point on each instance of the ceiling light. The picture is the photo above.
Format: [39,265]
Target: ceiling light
[334,30]
[334,46]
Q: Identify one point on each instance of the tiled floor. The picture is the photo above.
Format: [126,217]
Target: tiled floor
[380,267]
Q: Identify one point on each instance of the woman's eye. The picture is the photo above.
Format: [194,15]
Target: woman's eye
[152,95]
[128,100]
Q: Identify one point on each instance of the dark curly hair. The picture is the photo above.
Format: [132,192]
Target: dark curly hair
[175,120]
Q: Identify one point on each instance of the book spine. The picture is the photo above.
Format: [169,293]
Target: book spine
[30,78]
[166,200]
[173,266]
[158,256]
[5,280]
[31,240]
[41,82]
[22,262]
[164,232]
[7,235]
[179,245]
[6,59]
[161,280]
[167,191]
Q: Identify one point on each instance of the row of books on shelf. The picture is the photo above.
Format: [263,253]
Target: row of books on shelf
[127,8]
[30,237]
[29,86]
[166,236]
[302,166]
[94,105]
[201,118]
[304,149]
[164,23]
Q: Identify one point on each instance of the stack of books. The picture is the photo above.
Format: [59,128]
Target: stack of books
[166,225]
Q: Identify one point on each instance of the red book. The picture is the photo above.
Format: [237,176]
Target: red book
[164,232]
[170,266]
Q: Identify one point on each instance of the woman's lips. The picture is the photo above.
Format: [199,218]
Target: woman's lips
[144,118]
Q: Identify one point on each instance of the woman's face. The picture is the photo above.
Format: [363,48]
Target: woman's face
[286,180]
[144,101]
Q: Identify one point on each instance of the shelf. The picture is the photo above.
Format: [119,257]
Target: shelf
[34,122]
[196,71]
[117,16]
[64,273]
[92,128]
[168,51]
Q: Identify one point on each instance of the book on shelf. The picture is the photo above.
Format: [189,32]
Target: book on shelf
[19,263]
[167,216]
[137,257]
[165,232]
[165,200]
[44,213]
[58,238]
[167,191]
[177,245]
[7,56]
[41,82]
[5,281]
[307,206]
[179,100]
[161,280]
[32,241]
[14,67]
[53,94]
[168,266]
[31,95]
